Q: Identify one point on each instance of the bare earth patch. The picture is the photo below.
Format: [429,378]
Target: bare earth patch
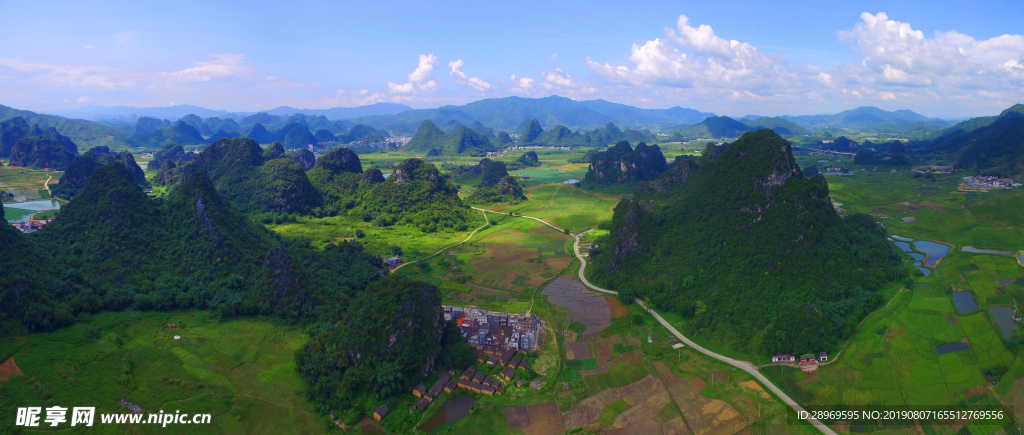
[756,387]
[8,369]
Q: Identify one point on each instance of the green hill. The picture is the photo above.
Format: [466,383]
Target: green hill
[623,166]
[895,156]
[84,133]
[995,149]
[43,149]
[179,132]
[252,184]
[491,181]
[192,249]
[25,285]
[463,141]
[77,173]
[782,126]
[715,126]
[391,336]
[748,250]
[416,194]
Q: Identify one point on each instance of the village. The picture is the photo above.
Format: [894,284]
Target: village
[989,182]
[492,333]
[807,362]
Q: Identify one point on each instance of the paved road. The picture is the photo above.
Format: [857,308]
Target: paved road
[742,365]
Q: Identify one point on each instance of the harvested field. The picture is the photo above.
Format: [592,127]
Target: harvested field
[518,417]
[541,419]
[756,387]
[515,258]
[584,306]
[666,375]
[616,306]
[8,369]
[588,411]
[580,350]
[705,416]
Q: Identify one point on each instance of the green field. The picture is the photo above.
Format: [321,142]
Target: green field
[241,371]
[567,207]
[415,244]
[25,184]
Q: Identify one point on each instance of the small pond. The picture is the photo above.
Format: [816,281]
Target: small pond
[926,271]
[573,181]
[964,302]
[934,250]
[1004,318]
[902,239]
[30,206]
[451,411]
[1021,257]
[905,246]
[984,251]
[950,348]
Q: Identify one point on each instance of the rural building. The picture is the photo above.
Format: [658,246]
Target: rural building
[508,373]
[468,374]
[516,362]
[419,391]
[380,413]
[507,356]
[451,386]
[420,405]
[479,377]
[493,359]
[783,358]
[392,262]
[438,386]
[822,356]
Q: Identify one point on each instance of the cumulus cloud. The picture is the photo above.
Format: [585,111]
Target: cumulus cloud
[896,54]
[462,79]
[421,78]
[567,82]
[711,61]
[522,85]
[896,63]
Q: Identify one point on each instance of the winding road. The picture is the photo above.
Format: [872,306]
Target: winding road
[746,366]
[742,365]
[470,236]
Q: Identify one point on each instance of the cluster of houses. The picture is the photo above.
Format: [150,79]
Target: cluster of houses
[493,333]
[537,147]
[933,169]
[32,225]
[807,359]
[982,182]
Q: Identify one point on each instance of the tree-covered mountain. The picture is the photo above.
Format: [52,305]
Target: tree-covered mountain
[251,183]
[415,194]
[994,148]
[508,114]
[895,156]
[623,166]
[490,182]
[42,149]
[759,257]
[841,143]
[29,277]
[86,134]
[864,118]
[392,335]
[112,247]
[180,132]
[463,141]
[78,171]
[782,126]
[715,126]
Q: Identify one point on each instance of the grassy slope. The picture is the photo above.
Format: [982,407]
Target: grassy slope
[241,370]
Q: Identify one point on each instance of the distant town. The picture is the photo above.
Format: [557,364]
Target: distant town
[981,182]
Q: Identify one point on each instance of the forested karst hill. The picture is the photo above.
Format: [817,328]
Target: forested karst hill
[624,165]
[748,249]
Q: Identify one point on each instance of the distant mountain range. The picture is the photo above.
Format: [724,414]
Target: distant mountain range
[115,126]
[129,113]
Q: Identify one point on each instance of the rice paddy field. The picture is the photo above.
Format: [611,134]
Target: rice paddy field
[241,371]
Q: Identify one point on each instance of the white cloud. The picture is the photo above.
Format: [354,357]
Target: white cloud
[896,63]
[567,82]
[522,85]
[462,79]
[421,78]
[219,65]
[88,46]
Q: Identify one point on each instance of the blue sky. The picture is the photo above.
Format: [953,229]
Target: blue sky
[948,59]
